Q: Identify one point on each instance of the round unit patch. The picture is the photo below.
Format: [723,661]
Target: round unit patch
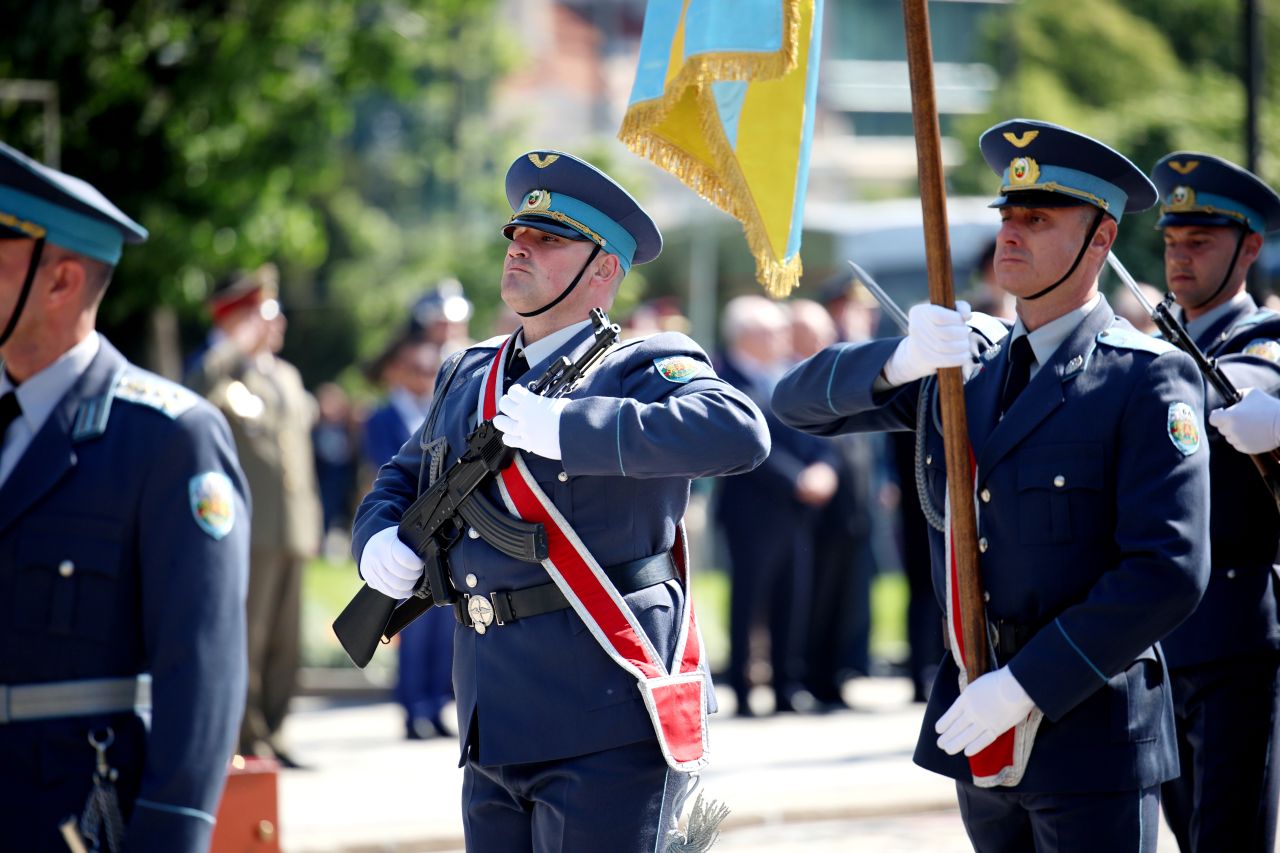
[678,368]
[1184,428]
[1264,348]
[213,503]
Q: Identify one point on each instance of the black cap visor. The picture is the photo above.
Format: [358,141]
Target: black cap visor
[542,223]
[1037,198]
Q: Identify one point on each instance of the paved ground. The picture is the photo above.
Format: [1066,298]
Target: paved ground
[817,784]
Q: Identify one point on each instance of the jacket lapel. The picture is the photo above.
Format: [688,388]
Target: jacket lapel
[51,453]
[1044,393]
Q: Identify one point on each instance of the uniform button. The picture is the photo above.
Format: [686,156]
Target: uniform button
[982,544]
[986,496]
[563,476]
[66,568]
[1059,481]
[1231,573]
[471,581]
[473,533]
[928,460]
[986,597]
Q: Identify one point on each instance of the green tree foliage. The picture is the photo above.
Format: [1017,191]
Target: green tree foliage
[346,140]
[1145,76]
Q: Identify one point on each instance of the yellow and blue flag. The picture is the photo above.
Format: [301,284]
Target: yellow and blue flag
[724,100]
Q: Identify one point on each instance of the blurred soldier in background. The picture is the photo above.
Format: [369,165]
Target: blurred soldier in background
[271,415]
[124,536]
[1224,660]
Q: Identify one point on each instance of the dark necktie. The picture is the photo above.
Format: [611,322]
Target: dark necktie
[1021,358]
[515,369]
[9,411]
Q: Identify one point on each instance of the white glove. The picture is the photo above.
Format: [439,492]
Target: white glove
[530,422]
[986,709]
[1252,425]
[390,566]
[936,337]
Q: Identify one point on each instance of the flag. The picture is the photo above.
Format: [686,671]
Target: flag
[724,100]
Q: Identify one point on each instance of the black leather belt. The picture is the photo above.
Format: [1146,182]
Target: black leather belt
[508,605]
[1007,638]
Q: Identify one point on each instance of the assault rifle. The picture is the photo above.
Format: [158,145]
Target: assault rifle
[1268,464]
[438,518]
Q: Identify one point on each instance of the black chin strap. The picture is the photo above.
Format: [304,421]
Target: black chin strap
[26,291]
[1088,238]
[554,302]
[1226,277]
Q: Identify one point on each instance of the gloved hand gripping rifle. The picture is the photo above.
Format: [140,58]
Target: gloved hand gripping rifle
[436,520]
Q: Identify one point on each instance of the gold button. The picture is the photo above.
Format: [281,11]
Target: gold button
[982,544]
[563,476]
[66,568]
[473,533]
[986,496]
[266,830]
[471,581]
[1059,481]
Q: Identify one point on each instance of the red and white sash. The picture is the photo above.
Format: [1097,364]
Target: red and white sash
[676,700]
[1004,761]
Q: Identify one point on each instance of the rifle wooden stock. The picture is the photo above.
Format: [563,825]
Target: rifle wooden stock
[933,200]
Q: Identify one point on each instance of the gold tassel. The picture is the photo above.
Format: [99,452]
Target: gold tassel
[702,830]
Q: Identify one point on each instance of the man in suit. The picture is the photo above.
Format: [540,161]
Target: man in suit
[1225,660]
[271,414]
[1091,482]
[561,750]
[124,534]
[771,564]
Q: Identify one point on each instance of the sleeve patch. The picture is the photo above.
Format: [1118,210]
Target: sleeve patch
[212,503]
[1264,348]
[1184,428]
[678,368]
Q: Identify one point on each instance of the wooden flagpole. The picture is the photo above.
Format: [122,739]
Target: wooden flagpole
[933,199]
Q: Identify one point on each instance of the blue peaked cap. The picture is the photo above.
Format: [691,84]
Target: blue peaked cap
[1047,165]
[560,194]
[37,201]
[1201,189]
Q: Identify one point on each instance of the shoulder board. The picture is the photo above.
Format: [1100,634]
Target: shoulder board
[991,328]
[156,392]
[1122,338]
[1262,315]
[488,343]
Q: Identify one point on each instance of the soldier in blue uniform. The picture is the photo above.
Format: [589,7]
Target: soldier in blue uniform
[1092,494]
[559,751]
[123,552]
[1224,660]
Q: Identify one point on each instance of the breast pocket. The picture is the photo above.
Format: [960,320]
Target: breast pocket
[1060,491]
[67,578]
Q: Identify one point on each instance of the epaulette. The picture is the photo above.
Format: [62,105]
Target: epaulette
[1122,338]
[1262,315]
[991,328]
[489,343]
[156,392]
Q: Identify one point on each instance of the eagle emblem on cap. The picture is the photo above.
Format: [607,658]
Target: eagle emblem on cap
[1183,168]
[1023,171]
[1182,198]
[1021,141]
[542,161]
[538,200]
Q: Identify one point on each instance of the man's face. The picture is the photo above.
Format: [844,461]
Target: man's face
[1036,245]
[1196,258]
[539,266]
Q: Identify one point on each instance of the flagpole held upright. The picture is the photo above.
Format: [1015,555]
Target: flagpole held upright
[933,200]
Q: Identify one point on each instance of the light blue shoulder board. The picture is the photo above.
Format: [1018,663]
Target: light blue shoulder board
[1121,338]
[991,328]
[1262,315]
[155,392]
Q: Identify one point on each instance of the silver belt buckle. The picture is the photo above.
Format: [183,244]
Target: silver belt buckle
[481,612]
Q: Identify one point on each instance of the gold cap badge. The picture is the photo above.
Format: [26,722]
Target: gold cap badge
[1183,168]
[1023,171]
[1021,141]
[538,200]
[543,162]
[1182,198]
